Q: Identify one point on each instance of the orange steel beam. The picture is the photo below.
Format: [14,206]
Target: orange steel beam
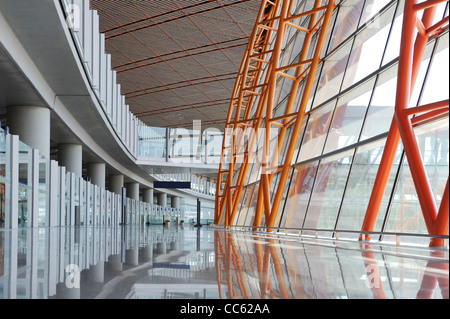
[288,118]
[274,17]
[411,54]
[301,112]
[244,94]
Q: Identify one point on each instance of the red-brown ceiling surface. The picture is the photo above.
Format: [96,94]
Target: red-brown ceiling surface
[177,60]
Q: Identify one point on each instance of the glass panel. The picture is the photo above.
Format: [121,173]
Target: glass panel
[248,213]
[348,117]
[4,179]
[328,190]
[316,132]
[395,36]
[372,8]
[405,215]
[433,142]
[66,216]
[437,85]
[83,202]
[332,73]
[381,110]
[44,190]
[152,141]
[299,194]
[368,49]
[359,189]
[25,184]
[347,21]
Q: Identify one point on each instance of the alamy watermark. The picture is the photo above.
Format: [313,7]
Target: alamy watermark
[73,19]
[73,276]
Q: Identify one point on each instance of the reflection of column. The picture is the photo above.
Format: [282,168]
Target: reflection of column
[147,252]
[32,124]
[97,173]
[64,292]
[132,256]
[115,263]
[10,264]
[53,261]
[71,157]
[97,272]
[161,248]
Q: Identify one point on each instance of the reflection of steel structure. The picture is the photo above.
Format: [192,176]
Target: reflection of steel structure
[267,268]
[254,105]
[254,101]
[402,127]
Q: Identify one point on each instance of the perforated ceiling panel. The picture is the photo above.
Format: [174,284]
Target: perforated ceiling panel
[177,60]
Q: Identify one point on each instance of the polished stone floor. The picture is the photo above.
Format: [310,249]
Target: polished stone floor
[210,263]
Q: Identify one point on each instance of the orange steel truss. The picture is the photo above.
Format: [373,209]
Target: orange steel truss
[253,102]
[402,127]
[251,113]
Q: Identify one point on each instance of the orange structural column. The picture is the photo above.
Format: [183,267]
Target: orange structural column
[256,95]
[402,128]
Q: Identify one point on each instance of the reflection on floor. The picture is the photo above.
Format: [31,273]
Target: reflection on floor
[210,263]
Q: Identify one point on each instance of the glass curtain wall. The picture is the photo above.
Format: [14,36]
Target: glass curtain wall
[349,115]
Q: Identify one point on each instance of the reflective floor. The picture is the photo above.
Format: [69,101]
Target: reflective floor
[210,263]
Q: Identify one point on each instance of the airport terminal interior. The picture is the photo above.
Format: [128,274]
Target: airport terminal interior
[224,149]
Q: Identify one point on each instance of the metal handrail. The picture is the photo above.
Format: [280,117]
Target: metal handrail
[322,230]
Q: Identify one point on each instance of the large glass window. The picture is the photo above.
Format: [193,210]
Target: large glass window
[381,110]
[152,141]
[328,189]
[346,22]
[316,132]
[368,49]
[299,195]
[406,214]
[360,185]
[348,117]
[332,73]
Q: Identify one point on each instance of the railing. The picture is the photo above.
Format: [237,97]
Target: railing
[179,145]
[343,234]
[37,192]
[83,24]
[142,141]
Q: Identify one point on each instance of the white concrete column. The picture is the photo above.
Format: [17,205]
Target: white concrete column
[162,199]
[97,173]
[71,157]
[133,191]
[148,195]
[175,202]
[116,183]
[32,124]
